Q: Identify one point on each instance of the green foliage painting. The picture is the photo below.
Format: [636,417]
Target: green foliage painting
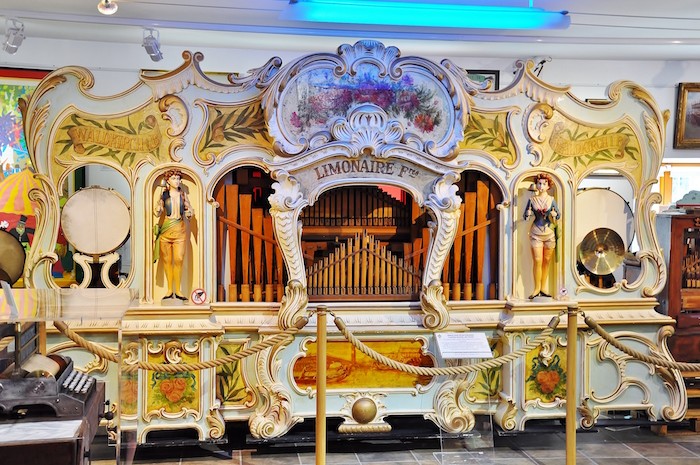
[230,387]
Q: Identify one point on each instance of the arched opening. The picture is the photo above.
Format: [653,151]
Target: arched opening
[101,189]
[471,271]
[249,264]
[605,237]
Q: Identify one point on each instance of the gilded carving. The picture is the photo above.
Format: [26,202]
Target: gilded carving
[364,412]
[589,414]
[274,416]
[443,203]
[304,97]
[286,203]
[216,424]
[450,414]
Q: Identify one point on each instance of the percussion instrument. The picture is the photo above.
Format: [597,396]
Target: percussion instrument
[603,208]
[12,257]
[601,251]
[96,220]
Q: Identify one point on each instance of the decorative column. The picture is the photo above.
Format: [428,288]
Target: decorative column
[443,203]
[285,206]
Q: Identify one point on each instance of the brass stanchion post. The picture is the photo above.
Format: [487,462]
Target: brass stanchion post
[571,367]
[321,385]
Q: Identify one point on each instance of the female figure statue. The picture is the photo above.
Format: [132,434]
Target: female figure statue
[542,236]
[171,235]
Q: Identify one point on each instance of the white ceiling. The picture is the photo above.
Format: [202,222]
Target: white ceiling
[605,29]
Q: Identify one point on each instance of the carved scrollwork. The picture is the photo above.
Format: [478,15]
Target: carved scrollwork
[434,305]
[293,303]
[444,204]
[537,120]
[547,350]
[173,109]
[37,268]
[216,424]
[450,414]
[286,203]
[508,422]
[589,415]
[470,86]
[258,77]
[306,97]
[273,417]
[367,129]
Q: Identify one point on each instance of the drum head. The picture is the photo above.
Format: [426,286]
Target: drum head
[95,221]
[602,208]
[12,257]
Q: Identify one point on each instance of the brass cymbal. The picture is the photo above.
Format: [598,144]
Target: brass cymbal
[601,251]
[12,257]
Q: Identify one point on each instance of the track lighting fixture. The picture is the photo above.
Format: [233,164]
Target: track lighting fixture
[107,7]
[14,35]
[152,44]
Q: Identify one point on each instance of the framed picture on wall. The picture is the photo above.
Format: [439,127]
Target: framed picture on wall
[14,83]
[480,75]
[687,133]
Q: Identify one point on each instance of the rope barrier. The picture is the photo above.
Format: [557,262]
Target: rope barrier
[662,362]
[109,354]
[428,371]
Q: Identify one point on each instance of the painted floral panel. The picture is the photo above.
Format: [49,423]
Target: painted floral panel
[545,380]
[172,392]
[318,95]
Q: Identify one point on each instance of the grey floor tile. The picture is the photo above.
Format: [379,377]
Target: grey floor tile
[623,461]
[404,456]
[675,460]
[270,459]
[658,449]
[693,447]
[425,456]
[551,453]
[562,461]
[607,450]
[345,458]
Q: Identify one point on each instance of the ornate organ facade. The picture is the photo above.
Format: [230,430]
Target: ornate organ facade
[391,189]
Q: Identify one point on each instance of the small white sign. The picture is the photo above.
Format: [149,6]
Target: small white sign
[199,296]
[463,345]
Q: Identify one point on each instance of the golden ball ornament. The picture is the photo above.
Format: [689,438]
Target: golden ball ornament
[364,410]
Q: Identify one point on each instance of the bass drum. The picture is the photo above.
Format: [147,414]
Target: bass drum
[12,257]
[597,208]
[96,221]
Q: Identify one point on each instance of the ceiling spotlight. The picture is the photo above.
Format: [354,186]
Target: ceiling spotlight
[107,7]
[14,35]
[152,44]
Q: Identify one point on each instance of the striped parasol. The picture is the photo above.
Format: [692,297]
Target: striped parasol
[14,193]
[15,203]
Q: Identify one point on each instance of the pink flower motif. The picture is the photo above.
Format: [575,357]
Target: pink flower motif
[295,120]
[424,122]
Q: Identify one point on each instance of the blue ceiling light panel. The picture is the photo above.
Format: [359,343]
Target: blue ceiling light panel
[449,15]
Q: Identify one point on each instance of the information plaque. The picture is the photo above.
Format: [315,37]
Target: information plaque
[463,345]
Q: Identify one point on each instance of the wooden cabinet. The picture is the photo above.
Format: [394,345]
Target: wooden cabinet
[684,286]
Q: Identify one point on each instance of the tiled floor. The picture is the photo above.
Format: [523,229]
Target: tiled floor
[630,445]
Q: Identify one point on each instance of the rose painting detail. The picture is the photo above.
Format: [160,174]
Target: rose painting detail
[319,96]
[547,381]
[173,391]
